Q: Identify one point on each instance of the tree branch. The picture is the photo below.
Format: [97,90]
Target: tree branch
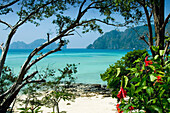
[44,55]
[143,38]
[165,22]
[9,4]
[10,26]
[4,54]
[166,49]
[35,81]
[31,14]
[1,46]
[149,27]
[81,6]
[83,22]
[30,76]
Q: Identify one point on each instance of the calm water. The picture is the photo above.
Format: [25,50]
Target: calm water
[92,62]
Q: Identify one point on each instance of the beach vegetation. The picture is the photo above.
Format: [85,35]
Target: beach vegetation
[116,71]
[50,92]
[145,86]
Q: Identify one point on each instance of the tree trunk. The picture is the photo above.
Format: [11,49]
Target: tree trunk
[57,108]
[54,109]
[158,13]
[5,50]
[9,99]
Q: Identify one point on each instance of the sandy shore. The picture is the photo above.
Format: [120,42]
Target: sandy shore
[95,104]
[90,98]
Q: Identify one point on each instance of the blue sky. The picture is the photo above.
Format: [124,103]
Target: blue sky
[28,32]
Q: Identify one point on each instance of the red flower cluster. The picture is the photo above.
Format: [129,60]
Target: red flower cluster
[158,80]
[122,93]
[131,107]
[118,109]
[147,63]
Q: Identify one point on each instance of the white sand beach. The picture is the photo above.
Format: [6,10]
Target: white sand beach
[95,104]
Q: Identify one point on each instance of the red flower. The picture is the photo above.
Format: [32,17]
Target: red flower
[147,62]
[154,71]
[131,107]
[122,93]
[159,79]
[118,109]
[117,106]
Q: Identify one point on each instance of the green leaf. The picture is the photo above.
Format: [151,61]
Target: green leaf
[156,57]
[152,100]
[138,60]
[168,79]
[167,62]
[161,72]
[162,93]
[118,72]
[132,69]
[156,108]
[155,48]
[138,89]
[149,90]
[152,67]
[126,80]
[127,106]
[132,89]
[161,52]
[135,79]
[144,87]
[168,100]
[152,78]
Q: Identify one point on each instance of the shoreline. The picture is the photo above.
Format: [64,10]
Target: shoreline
[86,90]
[89,98]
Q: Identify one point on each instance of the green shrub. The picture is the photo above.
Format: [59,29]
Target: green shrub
[121,67]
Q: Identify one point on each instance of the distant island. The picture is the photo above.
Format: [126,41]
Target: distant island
[129,39]
[33,45]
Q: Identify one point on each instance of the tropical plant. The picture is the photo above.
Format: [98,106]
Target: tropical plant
[148,90]
[49,93]
[120,68]
[57,88]
[32,110]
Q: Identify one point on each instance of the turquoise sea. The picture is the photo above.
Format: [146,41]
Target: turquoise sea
[93,62]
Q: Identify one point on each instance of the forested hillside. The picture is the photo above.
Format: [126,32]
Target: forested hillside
[129,39]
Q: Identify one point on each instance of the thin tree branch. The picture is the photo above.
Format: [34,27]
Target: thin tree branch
[31,14]
[10,26]
[83,22]
[165,22]
[30,76]
[9,4]
[44,55]
[81,6]
[35,81]
[2,60]
[166,49]
[143,38]
[89,6]
[150,14]
[148,17]
[1,46]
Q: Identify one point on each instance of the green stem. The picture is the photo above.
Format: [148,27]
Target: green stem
[122,81]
